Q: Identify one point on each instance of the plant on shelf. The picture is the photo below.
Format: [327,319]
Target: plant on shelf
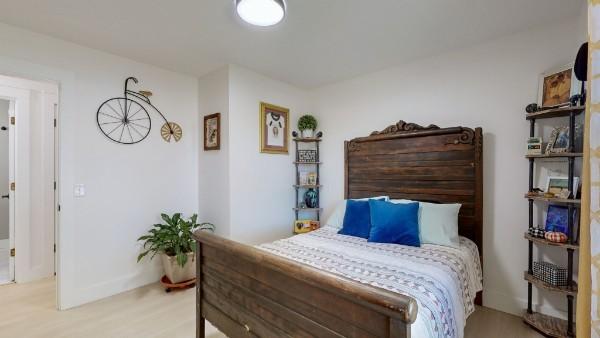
[307,124]
[173,241]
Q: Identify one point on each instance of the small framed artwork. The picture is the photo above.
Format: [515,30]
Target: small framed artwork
[559,186]
[559,140]
[303,177]
[274,129]
[557,85]
[534,146]
[304,226]
[212,132]
[312,178]
[557,219]
[307,156]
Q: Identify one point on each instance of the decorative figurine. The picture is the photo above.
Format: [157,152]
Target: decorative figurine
[532,108]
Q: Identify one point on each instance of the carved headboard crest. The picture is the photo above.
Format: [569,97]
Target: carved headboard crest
[404,127]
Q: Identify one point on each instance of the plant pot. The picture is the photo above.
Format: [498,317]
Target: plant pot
[308,133]
[175,272]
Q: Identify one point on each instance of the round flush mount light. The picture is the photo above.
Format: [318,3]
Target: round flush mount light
[261,12]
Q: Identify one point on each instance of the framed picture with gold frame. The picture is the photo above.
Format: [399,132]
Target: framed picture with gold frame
[274,129]
[556,86]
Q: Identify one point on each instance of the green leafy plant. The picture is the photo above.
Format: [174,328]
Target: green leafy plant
[307,122]
[173,238]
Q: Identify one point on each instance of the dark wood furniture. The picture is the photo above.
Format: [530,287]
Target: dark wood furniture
[246,292]
[551,326]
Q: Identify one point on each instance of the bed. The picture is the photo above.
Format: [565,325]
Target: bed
[327,285]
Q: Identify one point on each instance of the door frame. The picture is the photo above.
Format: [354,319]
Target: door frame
[18,92]
[13,96]
[11,197]
[66,80]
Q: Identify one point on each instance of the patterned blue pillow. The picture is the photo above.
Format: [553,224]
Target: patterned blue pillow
[357,219]
[394,223]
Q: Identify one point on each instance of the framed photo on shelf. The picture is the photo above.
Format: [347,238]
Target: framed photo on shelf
[306,156]
[212,132]
[557,219]
[304,226]
[312,178]
[559,186]
[274,129]
[534,146]
[559,140]
[303,177]
[556,86]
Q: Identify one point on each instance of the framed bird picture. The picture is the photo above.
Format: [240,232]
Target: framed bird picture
[274,129]
[212,132]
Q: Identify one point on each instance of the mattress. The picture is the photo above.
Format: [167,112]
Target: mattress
[443,280]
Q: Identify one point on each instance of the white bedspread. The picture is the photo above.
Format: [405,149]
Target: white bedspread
[443,280]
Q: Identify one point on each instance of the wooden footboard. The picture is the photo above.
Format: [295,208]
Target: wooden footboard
[246,292]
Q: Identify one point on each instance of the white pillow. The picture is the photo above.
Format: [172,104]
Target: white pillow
[403,202]
[438,224]
[336,219]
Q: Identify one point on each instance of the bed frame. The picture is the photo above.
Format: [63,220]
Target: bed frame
[247,292]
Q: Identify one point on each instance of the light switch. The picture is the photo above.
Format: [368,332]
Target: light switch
[79,190]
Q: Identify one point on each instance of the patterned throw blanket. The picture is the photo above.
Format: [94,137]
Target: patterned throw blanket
[442,280]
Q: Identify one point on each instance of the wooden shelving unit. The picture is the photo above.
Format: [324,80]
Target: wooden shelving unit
[543,241]
[307,139]
[548,325]
[301,188]
[558,112]
[567,290]
[308,186]
[308,209]
[554,199]
[557,155]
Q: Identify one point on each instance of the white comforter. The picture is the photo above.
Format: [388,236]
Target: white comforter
[443,280]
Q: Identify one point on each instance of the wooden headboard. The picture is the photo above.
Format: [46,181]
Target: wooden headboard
[409,161]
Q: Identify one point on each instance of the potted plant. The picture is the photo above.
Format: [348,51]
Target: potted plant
[307,125]
[175,244]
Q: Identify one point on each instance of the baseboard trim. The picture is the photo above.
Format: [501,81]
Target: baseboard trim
[110,288]
[516,306]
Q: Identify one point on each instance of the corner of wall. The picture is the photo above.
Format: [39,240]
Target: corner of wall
[213,166]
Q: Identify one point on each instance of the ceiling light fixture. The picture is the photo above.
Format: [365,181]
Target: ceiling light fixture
[261,12]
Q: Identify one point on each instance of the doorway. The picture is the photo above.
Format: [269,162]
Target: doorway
[27,179]
[5,267]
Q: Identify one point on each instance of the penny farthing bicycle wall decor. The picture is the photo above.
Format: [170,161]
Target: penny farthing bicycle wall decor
[126,121]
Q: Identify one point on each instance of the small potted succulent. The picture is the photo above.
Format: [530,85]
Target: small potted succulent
[173,241]
[307,125]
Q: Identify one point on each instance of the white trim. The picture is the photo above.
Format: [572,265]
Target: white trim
[66,88]
[517,306]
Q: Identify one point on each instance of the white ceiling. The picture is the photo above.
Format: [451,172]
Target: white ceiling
[319,42]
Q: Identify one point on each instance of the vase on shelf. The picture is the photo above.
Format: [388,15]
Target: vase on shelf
[311,198]
[308,133]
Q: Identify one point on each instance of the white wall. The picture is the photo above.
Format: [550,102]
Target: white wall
[262,196]
[488,86]
[127,186]
[213,177]
[248,194]
[4,169]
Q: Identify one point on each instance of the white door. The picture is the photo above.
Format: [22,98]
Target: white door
[32,200]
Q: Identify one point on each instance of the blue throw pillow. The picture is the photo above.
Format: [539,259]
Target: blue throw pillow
[394,223]
[357,219]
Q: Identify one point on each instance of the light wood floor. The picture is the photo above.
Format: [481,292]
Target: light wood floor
[27,310]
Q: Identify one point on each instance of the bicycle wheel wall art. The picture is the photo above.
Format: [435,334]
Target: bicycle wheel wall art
[125,120]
